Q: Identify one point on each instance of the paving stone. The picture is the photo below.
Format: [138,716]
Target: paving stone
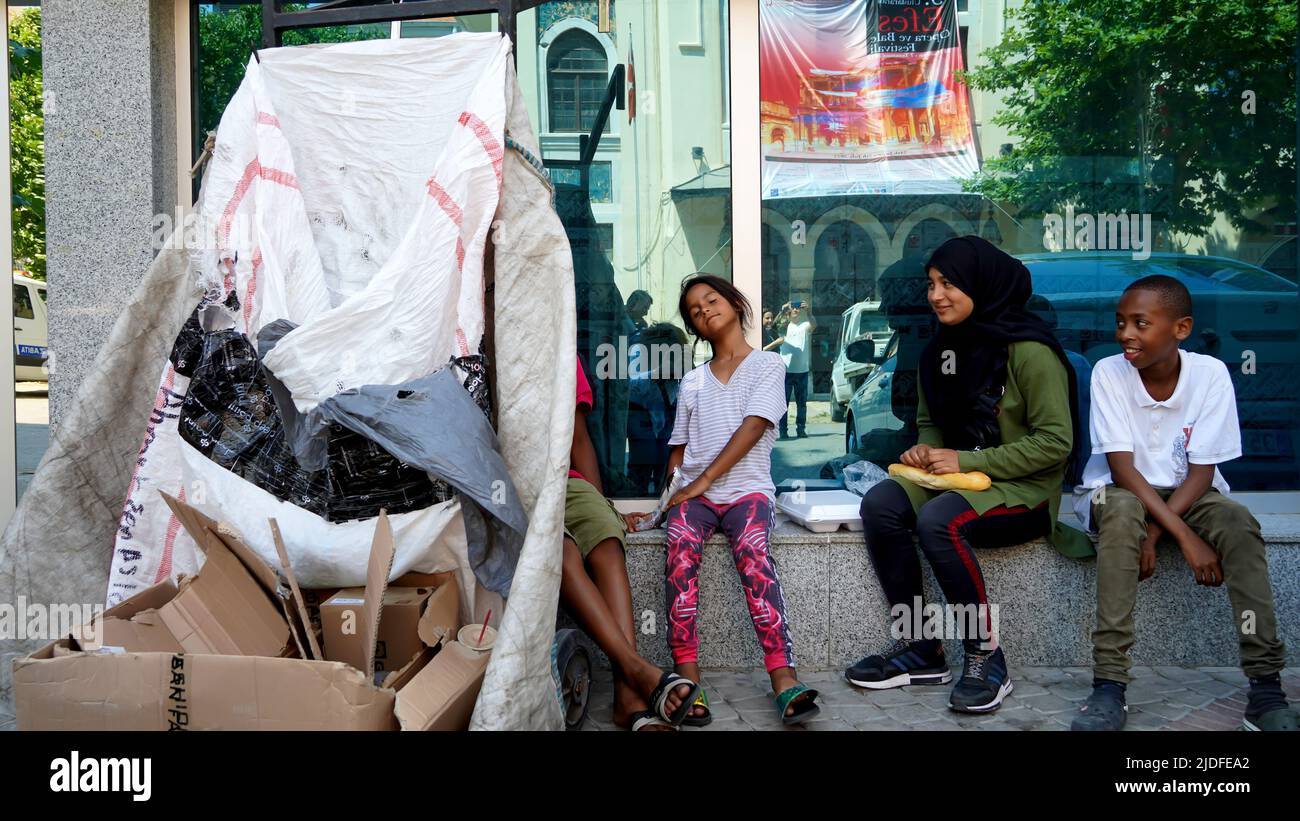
[1143,693]
[856,712]
[1234,677]
[722,725]
[1189,698]
[1215,687]
[891,698]
[887,725]
[967,721]
[1002,726]
[1027,720]
[836,695]
[820,724]
[1047,675]
[1183,675]
[1026,686]
[1048,703]
[1070,692]
[911,714]
[1162,709]
[942,725]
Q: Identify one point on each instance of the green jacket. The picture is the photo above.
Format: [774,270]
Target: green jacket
[1037,435]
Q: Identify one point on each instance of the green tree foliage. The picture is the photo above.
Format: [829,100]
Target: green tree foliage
[227,37]
[1138,106]
[27,141]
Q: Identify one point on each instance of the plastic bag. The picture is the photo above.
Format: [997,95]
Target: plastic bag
[860,477]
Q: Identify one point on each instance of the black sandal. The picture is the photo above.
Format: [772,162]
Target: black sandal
[659,698]
[692,720]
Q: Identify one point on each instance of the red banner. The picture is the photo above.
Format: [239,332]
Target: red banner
[860,97]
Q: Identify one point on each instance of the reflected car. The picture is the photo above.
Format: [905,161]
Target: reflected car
[861,320]
[31,334]
[869,415]
[1244,315]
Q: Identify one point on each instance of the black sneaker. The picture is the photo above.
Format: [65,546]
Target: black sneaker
[1267,708]
[1103,711]
[914,662]
[984,683]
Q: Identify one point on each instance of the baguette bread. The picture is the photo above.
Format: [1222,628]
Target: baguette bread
[974,480]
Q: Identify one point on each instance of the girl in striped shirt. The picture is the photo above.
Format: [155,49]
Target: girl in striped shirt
[722,442]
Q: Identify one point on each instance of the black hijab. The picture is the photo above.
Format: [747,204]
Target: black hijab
[963,388]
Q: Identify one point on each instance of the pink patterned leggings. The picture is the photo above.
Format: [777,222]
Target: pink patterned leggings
[747,523]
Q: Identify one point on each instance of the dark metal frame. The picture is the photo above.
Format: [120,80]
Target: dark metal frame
[275,21]
[588,143]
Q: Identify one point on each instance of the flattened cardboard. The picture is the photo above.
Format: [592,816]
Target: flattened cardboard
[382,551]
[202,528]
[442,695]
[142,632]
[165,691]
[224,610]
[441,617]
[297,594]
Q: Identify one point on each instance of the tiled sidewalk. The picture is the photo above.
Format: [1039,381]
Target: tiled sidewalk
[1045,698]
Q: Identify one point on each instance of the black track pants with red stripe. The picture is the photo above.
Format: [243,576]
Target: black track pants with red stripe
[947,529]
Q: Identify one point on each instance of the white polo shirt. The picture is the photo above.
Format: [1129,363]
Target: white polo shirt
[1196,424]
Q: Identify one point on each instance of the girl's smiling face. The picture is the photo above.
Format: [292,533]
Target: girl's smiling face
[950,303]
[710,313]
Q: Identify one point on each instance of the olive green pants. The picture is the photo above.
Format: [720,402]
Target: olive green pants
[1229,528]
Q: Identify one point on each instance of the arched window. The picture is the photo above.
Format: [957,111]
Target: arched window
[577,74]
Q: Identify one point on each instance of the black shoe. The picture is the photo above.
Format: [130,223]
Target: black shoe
[984,683]
[915,662]
[1104,710]
[1267,708]
[1284,719]
[803,434]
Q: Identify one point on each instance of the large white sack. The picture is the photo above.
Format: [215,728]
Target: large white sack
[351,192]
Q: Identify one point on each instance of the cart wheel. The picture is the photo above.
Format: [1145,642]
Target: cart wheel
[574,663]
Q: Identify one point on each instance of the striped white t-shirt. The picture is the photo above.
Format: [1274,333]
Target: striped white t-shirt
[709,412]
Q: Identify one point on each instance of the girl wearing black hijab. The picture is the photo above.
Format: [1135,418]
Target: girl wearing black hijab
[997,395]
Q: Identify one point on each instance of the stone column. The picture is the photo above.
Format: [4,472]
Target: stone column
[110,165]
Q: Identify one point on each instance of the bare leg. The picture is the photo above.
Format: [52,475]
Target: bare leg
[609,572]
[587,606]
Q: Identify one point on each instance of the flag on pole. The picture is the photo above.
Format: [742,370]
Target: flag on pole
[631,85]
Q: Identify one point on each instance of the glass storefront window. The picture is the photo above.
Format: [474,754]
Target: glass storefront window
[650,208]
[877,148]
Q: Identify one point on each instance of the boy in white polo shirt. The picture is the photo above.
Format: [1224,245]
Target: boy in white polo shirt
[1162,419]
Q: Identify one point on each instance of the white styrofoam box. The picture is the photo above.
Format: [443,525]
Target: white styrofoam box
[822,511]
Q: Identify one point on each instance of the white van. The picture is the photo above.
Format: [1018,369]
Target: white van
[860,320]
[31,334]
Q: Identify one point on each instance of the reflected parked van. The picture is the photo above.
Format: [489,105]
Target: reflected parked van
[31,334]
[859,321]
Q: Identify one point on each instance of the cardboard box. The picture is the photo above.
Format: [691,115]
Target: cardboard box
[441,696]
[399,639]
[216,653]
